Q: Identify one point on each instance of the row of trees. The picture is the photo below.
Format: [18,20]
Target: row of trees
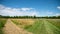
[57,17]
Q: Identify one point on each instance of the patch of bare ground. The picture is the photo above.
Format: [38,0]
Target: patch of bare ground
[11,28]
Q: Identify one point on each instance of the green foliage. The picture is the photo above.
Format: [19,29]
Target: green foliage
[1,31]
[47,17]
[27,26]
[2,23]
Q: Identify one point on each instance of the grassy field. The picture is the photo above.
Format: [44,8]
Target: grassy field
[2,23]
[39,26]
[23,23]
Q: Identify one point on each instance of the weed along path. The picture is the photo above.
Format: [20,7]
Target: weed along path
[11,28]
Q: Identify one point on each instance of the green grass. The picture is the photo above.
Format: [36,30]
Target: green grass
[2,23]
[44,26]
[36,27]
[55,22]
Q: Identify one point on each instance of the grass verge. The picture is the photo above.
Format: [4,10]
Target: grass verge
[2,23]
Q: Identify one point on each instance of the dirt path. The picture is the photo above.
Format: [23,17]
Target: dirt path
[11,28]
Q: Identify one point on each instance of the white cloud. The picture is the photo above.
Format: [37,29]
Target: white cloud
[57,14]
[7,11]
[58,7]
[25,9]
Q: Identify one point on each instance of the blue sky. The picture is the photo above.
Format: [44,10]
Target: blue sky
[30,7]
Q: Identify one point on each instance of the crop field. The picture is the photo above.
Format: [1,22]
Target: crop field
[39,26]
[2,23]
[35,26]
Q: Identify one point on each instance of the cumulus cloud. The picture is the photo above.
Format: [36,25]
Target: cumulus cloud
[8,11]
[58,7]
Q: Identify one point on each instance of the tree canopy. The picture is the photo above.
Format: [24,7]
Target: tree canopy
[52,17]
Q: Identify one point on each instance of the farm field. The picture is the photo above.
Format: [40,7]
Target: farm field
[29,26]
[39,26]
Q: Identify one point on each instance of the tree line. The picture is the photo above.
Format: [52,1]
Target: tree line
[47,17]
